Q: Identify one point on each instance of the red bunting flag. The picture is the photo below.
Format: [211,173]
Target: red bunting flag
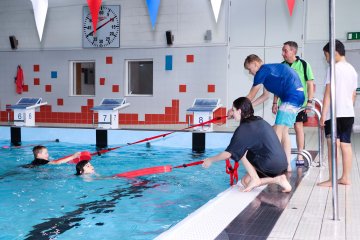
[94,6]
[290,4]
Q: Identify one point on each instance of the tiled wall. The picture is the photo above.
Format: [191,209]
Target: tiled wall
[87,116]
[177,82]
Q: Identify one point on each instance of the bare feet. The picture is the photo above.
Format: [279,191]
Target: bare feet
[328,183]
[252,184]
[325,184]
[245,180]
[344,181]
[283,182]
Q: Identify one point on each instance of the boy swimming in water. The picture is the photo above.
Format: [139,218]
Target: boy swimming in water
[41,157]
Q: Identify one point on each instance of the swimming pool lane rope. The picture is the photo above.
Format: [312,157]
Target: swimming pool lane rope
[84,154]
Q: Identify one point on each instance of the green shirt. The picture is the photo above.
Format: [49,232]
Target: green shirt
[299,68]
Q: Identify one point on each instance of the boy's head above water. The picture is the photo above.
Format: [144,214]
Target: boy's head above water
[41,152]
[84,167]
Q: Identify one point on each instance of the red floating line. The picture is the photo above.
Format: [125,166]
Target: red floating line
[150,138]
[145,171]
[189,164]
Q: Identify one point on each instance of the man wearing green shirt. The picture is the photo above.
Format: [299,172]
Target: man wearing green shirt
[305,73]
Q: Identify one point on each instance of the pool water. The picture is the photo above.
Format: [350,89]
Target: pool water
[50,202]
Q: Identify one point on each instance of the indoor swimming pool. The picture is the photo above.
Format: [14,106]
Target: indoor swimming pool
[50,202]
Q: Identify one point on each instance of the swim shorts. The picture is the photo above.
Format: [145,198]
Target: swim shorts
[344,127]
[286,114]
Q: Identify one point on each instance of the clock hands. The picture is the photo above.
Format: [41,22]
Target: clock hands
[110,20]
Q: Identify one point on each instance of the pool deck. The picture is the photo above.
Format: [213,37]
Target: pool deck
[308,214]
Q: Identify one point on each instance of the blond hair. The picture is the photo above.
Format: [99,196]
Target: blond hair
[252,58]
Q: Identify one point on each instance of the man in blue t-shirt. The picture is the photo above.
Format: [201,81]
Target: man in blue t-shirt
[283,82]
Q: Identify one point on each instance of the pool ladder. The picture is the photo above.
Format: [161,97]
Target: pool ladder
[305,153]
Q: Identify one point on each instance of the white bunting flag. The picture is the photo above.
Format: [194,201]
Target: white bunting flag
[216,4]
[40,8]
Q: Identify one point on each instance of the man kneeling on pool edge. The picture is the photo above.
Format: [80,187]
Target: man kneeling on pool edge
[257,146]
[41,157]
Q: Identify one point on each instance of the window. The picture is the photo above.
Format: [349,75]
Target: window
[139,75]
[82,77]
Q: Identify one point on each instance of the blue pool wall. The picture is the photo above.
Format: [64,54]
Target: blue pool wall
[115,137]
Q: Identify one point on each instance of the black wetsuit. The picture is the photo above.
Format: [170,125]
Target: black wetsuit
[36,162]
[265,152]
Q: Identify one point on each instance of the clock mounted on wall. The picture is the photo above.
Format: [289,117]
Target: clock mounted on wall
[108,28]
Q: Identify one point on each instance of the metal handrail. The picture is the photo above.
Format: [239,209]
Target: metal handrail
[320,139]
[318,102]
[308,154]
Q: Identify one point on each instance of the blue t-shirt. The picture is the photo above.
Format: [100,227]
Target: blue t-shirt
[282,81]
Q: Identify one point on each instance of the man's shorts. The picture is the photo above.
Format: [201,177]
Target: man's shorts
[302,117]
[344,127]
[286,114]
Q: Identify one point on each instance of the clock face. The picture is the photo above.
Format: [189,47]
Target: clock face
[107,31]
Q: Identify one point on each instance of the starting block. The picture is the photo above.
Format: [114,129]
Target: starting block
[108,112]
[203,110]
[24,111]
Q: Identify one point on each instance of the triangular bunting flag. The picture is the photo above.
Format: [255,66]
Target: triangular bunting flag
[216,4]
[290,4]
[153,7]
[94,6]
[40,9]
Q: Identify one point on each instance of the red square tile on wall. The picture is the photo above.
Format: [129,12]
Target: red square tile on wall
[25,88]
[211,88]
[36,81]
[60,102]
[102,81]
[108,60]
[182,88]
[115,88]
[189,58]
[36,68]
[47,88]
[90,102]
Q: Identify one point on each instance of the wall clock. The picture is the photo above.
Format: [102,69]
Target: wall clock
[108,28]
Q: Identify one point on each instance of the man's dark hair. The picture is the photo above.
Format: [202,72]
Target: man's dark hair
[37,149]
[292,44]
[247,110]
[80,167]
[339,47]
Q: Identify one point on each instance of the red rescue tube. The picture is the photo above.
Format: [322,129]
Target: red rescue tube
[85,155]
[145,171]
